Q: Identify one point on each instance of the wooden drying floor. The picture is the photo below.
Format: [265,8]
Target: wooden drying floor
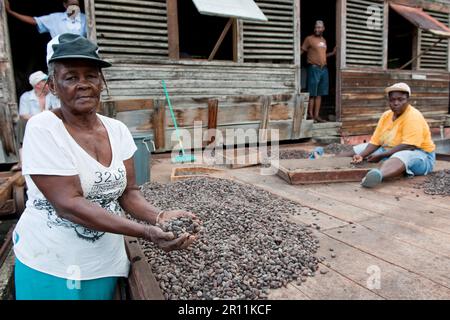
[395,230]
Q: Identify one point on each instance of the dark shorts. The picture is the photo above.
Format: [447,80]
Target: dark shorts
[317,81]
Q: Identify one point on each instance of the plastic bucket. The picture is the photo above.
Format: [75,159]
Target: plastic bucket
[142,156]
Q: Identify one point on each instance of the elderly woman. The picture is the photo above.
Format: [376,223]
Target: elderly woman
[78,166]
[402,140]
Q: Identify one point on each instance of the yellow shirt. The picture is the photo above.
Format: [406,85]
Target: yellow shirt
[410,128]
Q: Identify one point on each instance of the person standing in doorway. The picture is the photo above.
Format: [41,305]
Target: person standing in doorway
[315,47]
[70,21]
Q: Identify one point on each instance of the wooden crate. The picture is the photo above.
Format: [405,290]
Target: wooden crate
[180,173]
[241,158]
[12,185]
[323,170]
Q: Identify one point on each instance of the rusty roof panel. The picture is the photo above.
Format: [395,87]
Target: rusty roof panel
[422,20]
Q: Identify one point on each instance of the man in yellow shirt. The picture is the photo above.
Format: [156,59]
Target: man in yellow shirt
[402,140]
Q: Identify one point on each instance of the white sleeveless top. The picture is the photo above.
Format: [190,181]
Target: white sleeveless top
[48,243]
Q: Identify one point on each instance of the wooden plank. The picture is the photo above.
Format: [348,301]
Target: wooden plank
[7,207]
[299,113]
[220,40]
[133,105]
[213,107]
[418,261]
[322,170]
[141,281]
[290,292]
[159,125]
[417,236]
[373,196]
[89,6]
[7,244]
[395,282]
[410,215]
[172,29]
[334,286]
[333,208]
[265,111]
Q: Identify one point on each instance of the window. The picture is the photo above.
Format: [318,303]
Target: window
[438,56]
[364,38]
[272,41]
[198,34]
[401,36]
[136,29]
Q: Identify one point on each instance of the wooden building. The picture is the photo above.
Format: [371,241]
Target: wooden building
[255,78]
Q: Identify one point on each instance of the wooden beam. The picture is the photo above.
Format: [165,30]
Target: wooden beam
[297,44]
[213,107]
[159,124]
[265,113]
[172,29]
[89,9]
[141,281]
[299,110]
[385,34]
[222,36]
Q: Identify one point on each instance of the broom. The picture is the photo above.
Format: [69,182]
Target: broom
[183,157]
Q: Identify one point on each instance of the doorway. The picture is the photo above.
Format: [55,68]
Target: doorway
[28,46]
[310,12]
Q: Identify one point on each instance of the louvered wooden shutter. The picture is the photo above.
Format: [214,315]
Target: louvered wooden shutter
[132,28]
[364,42]
[271,41]
[436,58]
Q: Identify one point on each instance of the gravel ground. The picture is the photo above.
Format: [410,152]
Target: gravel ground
[437,183]
[246,245]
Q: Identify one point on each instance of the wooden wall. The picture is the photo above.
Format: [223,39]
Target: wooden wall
[198,79]
[284,112]
[363,100]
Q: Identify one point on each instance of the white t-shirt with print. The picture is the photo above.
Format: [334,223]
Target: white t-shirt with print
[48,243]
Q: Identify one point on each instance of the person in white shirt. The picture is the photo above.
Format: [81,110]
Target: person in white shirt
[38,99]
[78,166]
[70,21]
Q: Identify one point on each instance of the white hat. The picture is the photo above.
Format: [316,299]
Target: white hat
[36,77]
[401,86]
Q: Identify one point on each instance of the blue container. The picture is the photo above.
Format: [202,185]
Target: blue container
[142,156]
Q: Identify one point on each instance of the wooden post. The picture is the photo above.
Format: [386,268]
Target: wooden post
[265,113]
[159,124]
[238,41]
[172,29]
[108,108]
[141,281]
[299,111]
[297,44]
[213,107]
[89,8]
[222,36]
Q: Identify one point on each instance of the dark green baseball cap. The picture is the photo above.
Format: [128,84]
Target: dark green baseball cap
[73,46]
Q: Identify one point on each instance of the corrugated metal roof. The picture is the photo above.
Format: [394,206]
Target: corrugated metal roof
[422,20]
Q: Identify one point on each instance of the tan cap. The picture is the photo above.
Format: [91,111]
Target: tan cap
[400,86]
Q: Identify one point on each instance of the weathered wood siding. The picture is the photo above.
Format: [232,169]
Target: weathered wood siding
[364,40]
[363,99]
[193,79]
[438,57]
[132,28]
[272,40]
